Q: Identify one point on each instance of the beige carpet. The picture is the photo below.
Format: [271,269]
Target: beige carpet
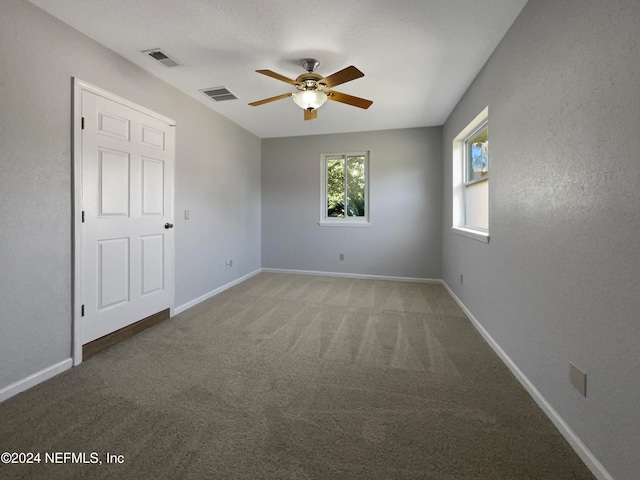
[294,377]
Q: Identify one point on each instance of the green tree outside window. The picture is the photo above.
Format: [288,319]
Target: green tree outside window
[346,186]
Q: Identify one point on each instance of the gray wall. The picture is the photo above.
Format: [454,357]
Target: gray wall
[405,205]
[558,281]
[217,179]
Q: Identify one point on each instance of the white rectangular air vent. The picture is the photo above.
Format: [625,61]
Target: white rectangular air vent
[219,94]
[161,57]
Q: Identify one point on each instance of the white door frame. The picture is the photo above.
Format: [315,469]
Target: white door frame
[78,87]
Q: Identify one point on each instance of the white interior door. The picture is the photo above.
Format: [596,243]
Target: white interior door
[127,239]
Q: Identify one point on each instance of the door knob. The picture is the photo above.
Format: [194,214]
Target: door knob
[168,225]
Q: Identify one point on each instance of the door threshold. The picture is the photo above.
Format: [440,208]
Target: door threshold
[113,338]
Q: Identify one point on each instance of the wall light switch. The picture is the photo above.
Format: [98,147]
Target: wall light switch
[578,379]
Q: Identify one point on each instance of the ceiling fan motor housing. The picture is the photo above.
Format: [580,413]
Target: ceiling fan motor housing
[309,81]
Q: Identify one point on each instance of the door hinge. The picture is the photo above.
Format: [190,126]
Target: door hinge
[82,311]
[82,216]
[82,123]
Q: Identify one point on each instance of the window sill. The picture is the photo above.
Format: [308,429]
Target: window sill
[339,223]
[480,235]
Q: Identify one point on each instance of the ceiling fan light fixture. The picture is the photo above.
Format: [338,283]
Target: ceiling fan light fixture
[313,89]
[310,99]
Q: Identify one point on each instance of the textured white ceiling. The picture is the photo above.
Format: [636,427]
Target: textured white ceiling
[418,56]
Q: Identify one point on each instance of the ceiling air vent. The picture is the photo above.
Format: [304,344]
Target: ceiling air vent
[161,57]
[219,94]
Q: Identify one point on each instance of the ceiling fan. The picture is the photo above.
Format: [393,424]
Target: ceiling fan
[314,89]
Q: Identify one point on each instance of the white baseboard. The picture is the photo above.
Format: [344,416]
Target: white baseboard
[576,443]
[33,380]
[215,292]
[352,275]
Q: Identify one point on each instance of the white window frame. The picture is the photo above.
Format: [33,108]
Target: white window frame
[460,183]
[326,221]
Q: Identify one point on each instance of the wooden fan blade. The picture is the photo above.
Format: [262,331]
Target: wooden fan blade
[310,114]
[343,76]
[349,99]
[277,76]
[271,99]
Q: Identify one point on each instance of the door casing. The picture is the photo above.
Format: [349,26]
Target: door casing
[78,87]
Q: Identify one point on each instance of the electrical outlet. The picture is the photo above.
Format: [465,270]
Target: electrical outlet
[461,278]
[578,379]
[229,264]
[342,256]
[186,214]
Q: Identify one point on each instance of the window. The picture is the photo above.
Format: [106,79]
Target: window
[477,156]
[345,189]
[471,179]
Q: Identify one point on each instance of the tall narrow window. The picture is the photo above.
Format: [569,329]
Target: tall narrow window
[477,179]
[345,189]
[471,179]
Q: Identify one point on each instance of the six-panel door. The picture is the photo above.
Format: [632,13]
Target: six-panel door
[127,172]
